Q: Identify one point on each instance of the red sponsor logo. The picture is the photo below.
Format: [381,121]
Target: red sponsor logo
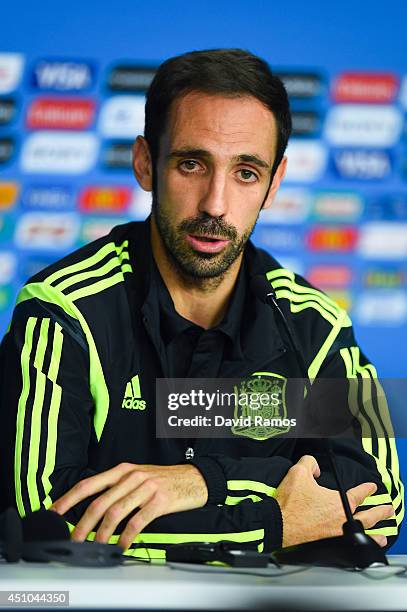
[105,199]
[60,114]
[365,87]
[342,239]
[330,276]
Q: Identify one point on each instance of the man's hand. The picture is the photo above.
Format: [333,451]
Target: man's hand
[155,489]
[311,512]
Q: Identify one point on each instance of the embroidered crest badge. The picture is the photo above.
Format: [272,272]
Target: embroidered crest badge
[260,411]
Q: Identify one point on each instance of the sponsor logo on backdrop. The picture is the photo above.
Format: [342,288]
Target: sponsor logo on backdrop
[140,206]
[385,307]
[306,161]
[363,125]
[11,70]
[376,88]
[118,155]
[48,197]
[63,76]
[32,265]
[8,264]
[130,78]
[384,240]
[301,85]
[94,228]
[306,123]
[59,153]
[332,238]
[7,110]
[7,148]
[390,208]
[6,298]
[290,206]
[9,191]
[122,117]
[278,238]
[330,276]
[362,165]
[49,231]
[105,199]
[60,114]
[385,277]
[342,207]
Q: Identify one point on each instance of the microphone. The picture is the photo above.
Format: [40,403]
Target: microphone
[44,536]
[44,525]
[353,549]
[11,535]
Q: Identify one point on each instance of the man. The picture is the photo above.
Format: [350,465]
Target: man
[172,297]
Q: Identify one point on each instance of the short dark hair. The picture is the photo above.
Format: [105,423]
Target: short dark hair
[228,72]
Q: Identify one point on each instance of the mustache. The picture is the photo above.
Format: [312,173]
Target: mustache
[211,226]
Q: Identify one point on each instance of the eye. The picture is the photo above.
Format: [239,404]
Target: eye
[189,165]
[248,176]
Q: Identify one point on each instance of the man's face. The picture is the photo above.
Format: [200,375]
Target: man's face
[213,173]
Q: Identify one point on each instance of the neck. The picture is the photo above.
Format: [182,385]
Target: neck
[203,301]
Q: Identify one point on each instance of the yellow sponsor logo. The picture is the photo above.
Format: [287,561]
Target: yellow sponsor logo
[8,194]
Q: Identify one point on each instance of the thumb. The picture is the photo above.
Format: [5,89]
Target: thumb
[311,464]
[358,494]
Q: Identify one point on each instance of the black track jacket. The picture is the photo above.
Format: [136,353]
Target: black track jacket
[80,342]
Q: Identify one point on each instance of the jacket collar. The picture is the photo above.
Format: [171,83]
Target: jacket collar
[259,341]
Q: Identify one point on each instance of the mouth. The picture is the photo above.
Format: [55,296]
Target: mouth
[206,244]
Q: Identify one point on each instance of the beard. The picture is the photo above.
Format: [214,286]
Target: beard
[195,264]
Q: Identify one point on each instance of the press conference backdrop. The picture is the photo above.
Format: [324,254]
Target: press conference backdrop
[72,85]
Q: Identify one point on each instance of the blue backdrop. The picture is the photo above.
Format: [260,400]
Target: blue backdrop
[71,94]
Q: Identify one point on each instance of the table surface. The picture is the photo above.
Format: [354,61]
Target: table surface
[161,587]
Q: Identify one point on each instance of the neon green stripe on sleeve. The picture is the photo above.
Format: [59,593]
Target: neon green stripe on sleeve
[53,413]
[35,438]
[25,372]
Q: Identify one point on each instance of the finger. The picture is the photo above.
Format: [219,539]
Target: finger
[371,517]
[122,508]
[311,464]
[138,522]
[106,503]
[357,495]
[380,539]
[90,486]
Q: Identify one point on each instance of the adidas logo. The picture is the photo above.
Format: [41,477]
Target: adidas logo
[132,397]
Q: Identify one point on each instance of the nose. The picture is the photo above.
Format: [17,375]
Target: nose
[214,200]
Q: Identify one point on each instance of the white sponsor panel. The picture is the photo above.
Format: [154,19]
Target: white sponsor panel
[383,240]
[290,206]
[306,161]
[363,125]
[140,206]
[337,206]
[59,153]
[385,307]
[122,117]
[95,228]
[47,231]
[291,263]
[11,70]
[8,263]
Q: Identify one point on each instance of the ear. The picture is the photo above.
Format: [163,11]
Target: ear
[277,178]
[142,165]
